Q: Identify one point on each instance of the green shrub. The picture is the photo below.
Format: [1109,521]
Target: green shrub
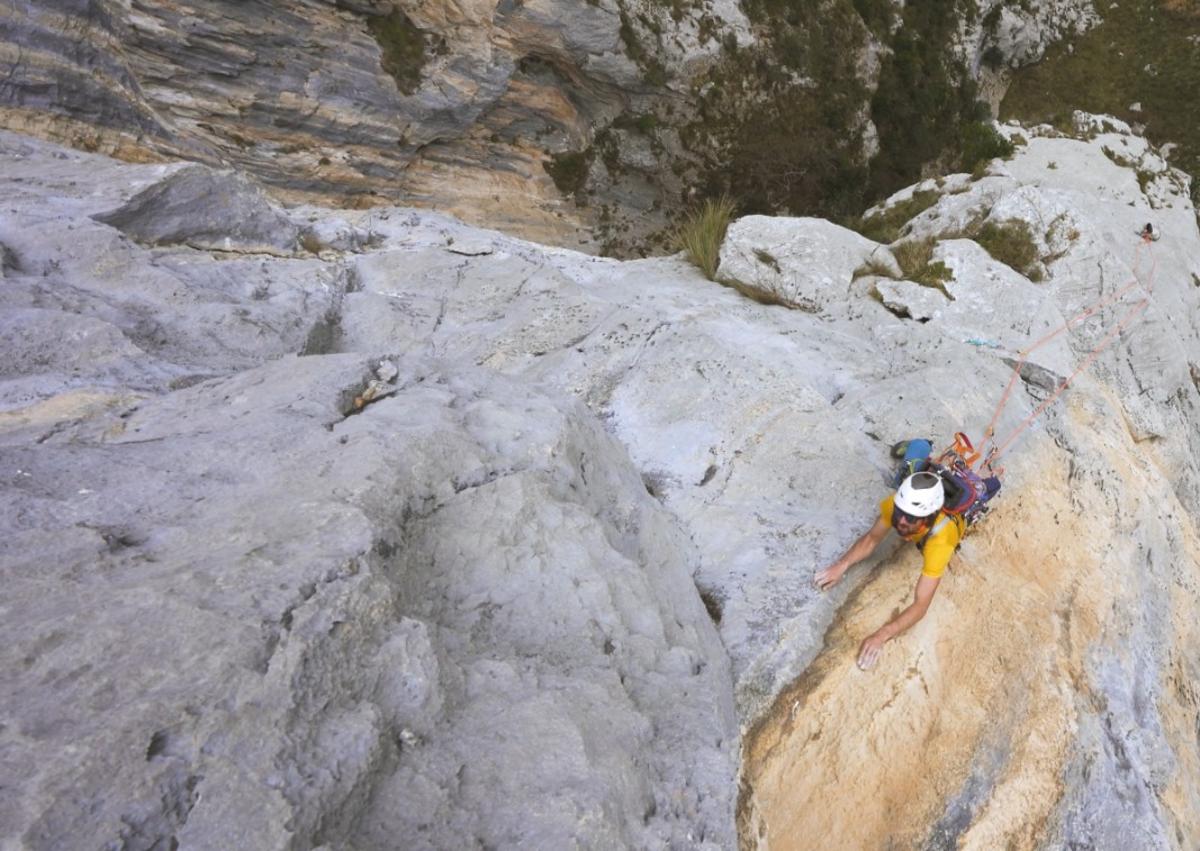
[885,226]
[1011,242]
[569,171]
[787,150]
[790,149]
[980,143]
[924,91]
[876,14]
[402,46]
[654,72]
[702,232]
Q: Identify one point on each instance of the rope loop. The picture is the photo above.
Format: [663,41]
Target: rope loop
[999,447]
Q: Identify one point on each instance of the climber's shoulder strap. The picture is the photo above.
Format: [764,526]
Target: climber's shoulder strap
[940,524]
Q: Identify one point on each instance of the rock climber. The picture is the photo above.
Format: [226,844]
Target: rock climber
[915,511]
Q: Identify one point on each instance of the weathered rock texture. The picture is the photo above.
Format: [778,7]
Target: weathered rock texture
[421,531]
[261,615]
[586,124]
[198,207]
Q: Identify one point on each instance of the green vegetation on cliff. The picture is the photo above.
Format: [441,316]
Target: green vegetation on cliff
[781,125]
[925,104]
[1145,52]
[402,46]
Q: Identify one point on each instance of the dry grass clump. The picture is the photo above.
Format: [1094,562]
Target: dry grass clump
[916,262]
[1183,8]
[1011,242]
[874,267]
[702,232]
[312,243]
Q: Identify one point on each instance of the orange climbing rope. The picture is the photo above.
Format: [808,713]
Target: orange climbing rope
[999,447]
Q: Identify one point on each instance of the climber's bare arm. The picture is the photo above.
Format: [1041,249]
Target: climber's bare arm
[858,551]
[872,646]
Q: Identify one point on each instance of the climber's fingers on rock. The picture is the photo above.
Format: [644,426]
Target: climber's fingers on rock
[825,579]
[869,652]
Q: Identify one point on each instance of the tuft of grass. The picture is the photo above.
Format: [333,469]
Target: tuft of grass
[914,255]
[402,46]
[916,262]
[935,275]
[886,225]
[766,296]
[1117,158]
[312,243]
[702,232]
[874,267]
[1011,242]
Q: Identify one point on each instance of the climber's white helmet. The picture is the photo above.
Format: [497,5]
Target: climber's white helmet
[920,495]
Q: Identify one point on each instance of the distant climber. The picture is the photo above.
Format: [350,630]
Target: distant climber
[932,507]
[1148,233]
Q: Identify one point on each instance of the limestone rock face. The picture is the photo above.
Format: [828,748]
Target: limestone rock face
[809,263]
[355,667]
[204,209]
[579,123]
[348,668]
[435,533]
[298,94]
[1022,34]
[1007,36]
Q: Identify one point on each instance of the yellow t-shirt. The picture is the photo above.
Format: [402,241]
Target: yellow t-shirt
[939,546]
